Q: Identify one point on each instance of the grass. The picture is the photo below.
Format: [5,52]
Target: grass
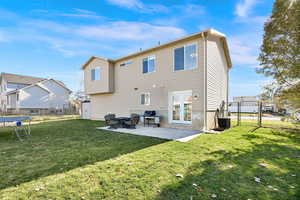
[72,160]
[42,118]
[268,123]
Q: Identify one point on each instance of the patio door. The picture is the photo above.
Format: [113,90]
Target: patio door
[180,107]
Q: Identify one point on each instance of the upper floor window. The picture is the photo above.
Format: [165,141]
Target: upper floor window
[185,57]
[128,62]
[95,74]
[149,64]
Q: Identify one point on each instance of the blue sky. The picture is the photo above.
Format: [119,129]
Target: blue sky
[53,38]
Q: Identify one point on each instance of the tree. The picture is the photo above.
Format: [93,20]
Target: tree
[280,51]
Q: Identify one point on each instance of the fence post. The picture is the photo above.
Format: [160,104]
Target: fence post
[239,113]
[259,114]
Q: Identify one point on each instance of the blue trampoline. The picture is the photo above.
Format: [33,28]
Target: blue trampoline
[19,128]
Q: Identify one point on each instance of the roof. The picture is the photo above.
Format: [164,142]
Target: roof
[189,37]
[40,86]
[29,86]
[58,82]
[15,78]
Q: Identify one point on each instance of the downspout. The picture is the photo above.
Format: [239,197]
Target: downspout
[205,81]
[227,92]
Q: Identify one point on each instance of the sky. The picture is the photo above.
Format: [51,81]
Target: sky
[54,38]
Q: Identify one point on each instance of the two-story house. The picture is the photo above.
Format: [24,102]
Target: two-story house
[185,81]
[27,94]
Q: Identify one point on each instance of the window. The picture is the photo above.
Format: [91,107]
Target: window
[4,88]
[145,99]
[95,74]
[17,97]
[149,64]
[124,64]
[185,57]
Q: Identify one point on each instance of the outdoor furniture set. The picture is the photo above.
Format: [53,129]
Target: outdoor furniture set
[149,118]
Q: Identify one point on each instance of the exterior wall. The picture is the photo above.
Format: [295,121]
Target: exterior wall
[217,78]
[106,82]
[3,98]
[130,82]
[33,97]
[58,97]
[12,102]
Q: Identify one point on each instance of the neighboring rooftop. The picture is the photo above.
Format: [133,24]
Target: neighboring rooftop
[15,78]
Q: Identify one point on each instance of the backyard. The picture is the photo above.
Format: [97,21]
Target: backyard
[70,159]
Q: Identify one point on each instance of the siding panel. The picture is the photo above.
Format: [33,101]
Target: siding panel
[216,74]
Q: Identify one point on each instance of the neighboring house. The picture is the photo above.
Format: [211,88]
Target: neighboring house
[184,81]
[249,104]
[25,94]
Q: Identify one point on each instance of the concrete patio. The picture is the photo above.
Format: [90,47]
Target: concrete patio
[181,135]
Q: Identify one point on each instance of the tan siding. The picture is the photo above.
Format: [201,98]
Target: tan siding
[126,99]
[217,76]
[105,84]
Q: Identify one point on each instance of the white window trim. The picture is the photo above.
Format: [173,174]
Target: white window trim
[145,93]
[170,107]
[95,68]
[184,69]
[148,65]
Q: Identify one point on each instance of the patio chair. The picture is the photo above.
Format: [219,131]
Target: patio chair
[134,120]
[111,121]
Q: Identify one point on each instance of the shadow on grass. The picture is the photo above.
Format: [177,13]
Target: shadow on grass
[56,147]
[230,175]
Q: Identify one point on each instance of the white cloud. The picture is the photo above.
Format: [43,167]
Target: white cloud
[192,10]
[186,12]
[75,13]
[139,6]
[135,31]
[243,8]
[80,13]
[127,3]
[244,51]
[113,39]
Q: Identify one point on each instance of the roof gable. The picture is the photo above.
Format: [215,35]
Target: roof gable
[61,84]
[199,34]
[15,78]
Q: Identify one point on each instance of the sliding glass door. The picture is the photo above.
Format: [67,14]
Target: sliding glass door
[181,107]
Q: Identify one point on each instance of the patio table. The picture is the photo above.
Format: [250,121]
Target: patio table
[122,120]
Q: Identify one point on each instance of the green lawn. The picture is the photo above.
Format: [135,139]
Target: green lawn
[72,160]
[267,123]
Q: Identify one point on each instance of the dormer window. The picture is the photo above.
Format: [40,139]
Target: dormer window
[96,74]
